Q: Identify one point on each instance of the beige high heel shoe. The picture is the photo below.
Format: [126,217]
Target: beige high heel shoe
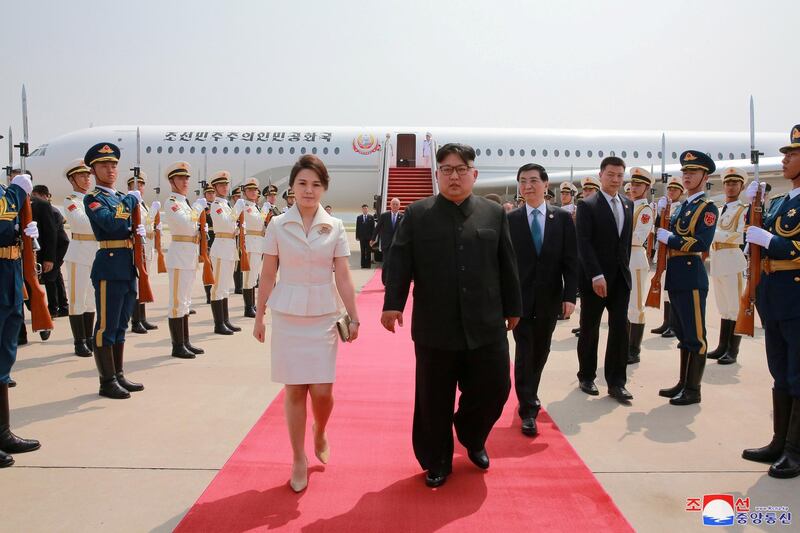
[322,454]
[299,479]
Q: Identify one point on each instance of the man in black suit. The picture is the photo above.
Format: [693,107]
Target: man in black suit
[457,250]
[604,224]
[547,256]
[384,229]
[53,242]
[365,226]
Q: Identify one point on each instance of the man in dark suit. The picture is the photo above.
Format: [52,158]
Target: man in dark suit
[544,242]
[604,224]
[457,250]
[54,242]
[384,229]
[365,226]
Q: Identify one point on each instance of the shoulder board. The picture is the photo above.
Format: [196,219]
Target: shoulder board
[71,197]
[172,199]
[773,198]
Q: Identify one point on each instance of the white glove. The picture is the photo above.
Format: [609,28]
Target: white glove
[663,235]
[200,204]
[155,206]
[158,226]
[750,192]
[137,195]
[140,231]
[31,230]
[24,182]
[662,203]
[239,205]
[758,236]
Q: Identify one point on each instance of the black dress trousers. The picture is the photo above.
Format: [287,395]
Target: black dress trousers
[532,337]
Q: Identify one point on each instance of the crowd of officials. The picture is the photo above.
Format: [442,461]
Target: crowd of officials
[480,268]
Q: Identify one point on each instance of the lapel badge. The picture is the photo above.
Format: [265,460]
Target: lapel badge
[791,212]
[551,215]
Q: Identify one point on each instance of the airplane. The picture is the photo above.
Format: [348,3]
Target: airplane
[358,157]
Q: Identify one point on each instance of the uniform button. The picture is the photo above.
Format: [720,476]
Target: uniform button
[689,263]
[111,254]
[797,279]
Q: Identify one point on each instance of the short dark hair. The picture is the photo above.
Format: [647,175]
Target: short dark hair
[365,205]
[465,152]
[494,198]
[533,166]
[41,189]
[613,161]
[310,162]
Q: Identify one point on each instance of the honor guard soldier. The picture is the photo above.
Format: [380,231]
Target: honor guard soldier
[289,197]
[271,200]
[139,323]
[113,271]
[254,221]
[224,253]
[568,191]
[778,303]
[181,259]
[643,219]
[11,289]
[237,272]
[589,186]
[79,258]
[689,236]
[728,264]
[210,196]
[674,191]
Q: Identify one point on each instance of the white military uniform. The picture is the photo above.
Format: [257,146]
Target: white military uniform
[224,253]
[728,262]
[80,256]
[254,222]
[183,253]
[147,221]
[643,220]
[673,208]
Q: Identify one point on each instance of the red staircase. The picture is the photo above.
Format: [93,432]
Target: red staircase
[409,185]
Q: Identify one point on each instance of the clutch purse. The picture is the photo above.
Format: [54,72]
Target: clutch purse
[343,326]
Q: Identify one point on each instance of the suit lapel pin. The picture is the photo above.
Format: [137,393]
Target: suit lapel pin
[551,215]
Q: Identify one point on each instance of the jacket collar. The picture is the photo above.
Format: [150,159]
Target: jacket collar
[323,223]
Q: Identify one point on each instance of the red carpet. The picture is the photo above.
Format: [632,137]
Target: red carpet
[373,482]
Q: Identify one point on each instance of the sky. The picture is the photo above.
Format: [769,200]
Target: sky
[675,65]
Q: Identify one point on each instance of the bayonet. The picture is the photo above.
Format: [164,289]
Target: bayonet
[10,166]
[754,153]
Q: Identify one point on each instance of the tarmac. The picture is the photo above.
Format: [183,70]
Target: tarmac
[139,464]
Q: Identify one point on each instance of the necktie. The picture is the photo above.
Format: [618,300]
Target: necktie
[536,231]
[615,210]
[394,219]
[724,208]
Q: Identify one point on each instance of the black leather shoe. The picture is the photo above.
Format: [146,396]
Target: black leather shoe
[479,458]
[726,359]
[11,383]
[529,427]
[5,460]
[589,388]
[620,394]
[575,331]
[137,327]
[192,312]
[44,334]
[435,479]
[669,333]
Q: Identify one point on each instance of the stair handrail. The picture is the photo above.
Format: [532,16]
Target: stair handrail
[434,166]
[383,175]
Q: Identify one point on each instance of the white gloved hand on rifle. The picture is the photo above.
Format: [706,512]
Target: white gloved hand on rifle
[758,236]
[750,192]
[24,182]
[158,226]
[32,229]
[137,195]
[663,235]
[239,206]
[140,230]
[200,204]
[662,203]
[155,206]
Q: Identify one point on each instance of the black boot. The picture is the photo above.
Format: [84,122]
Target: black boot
[193,349]
[130,386]
[22,338]
[143,316]
[227,318]
[109,387]
[781,411]
[10,443]
[88,327]
[5,460]
[635,342]
[177,335]
[669,393]
[219,318]
[11,382]
[665,324]
[729,357]
[725,332]
[208,293]
[249,303]
[79,336]
[694,375]
[136,319]
[237,278]
[788,464]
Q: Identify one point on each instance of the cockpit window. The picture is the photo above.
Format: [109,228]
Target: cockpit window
[39,151]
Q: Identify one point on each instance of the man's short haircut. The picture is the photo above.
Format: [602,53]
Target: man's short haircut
[310,162]
[533,166]
[365,205]
[41,189]
[613,161]
[464,152]
[494,198]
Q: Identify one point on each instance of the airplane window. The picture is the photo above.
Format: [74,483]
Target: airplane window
[522,152]
[719,155]
[499,151]
[635,153]
[269,150]
[599,153]
[730,155]
[544,153]
[291,150]
[202,149]
[325,150]
[624,153]
[302,149]
[533,152]
[566,153]
[336,150]
[478,151]
[577,153]
[258,149]
[649,154]
[511,152]
[191,150]
[225,150]
[313,149]
[743,156]
[613,153]
[589,153]
[488,152]
[148,149]
[159,149]
[555,152]
[169,150]
[180,150]
[674,155]
[659,155]
[247,149]
[213,149]
[280,149]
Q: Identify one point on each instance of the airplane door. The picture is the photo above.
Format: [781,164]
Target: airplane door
[406,150]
